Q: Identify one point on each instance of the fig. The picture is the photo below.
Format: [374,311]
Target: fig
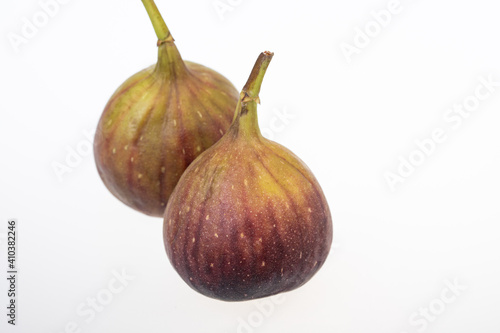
[247,219]
[157,122]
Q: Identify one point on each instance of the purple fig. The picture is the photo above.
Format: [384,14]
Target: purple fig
[158,122]
[247,219]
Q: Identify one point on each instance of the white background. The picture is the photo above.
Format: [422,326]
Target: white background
[395,251]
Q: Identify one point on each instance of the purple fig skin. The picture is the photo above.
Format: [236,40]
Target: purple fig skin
[248,219]
[156,124]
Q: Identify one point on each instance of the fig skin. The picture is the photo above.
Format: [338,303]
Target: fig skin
[157,122]
[248,219]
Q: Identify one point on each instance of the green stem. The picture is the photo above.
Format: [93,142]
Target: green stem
[245,120]
[170,62]
[159,24]
[252,87]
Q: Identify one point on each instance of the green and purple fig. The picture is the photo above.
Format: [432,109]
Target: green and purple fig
[247,219]
[158,122]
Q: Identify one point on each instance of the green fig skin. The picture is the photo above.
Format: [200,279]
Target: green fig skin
[156,124]
[248,219]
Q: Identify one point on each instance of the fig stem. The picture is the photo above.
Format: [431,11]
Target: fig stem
[159,24]
[245,117]
[252,87]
